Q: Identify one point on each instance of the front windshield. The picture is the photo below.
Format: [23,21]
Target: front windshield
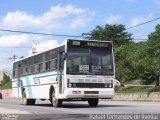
[89,61]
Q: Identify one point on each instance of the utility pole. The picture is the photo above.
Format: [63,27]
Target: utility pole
[13,58]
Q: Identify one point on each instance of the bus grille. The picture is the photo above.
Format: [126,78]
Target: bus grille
[91,92]
[89,85]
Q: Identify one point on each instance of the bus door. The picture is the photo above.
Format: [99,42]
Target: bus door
[60,71]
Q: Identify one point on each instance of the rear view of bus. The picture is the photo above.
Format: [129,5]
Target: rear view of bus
[89,71]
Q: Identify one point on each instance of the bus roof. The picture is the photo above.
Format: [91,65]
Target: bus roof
[57,47]
[37,53]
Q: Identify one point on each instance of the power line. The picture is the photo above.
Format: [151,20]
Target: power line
[37,33]
[144,23]
[13,58]
[14,47]
[63,35]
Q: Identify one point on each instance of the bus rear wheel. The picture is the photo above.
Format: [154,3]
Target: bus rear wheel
[56,102]
[93,102]
[32,101]
[27,101]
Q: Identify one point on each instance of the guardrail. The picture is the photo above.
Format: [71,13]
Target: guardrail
[153,96]
[131,85]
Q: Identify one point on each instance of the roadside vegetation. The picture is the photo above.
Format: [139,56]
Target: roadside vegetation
[137,89]
[6,83]
[133,60]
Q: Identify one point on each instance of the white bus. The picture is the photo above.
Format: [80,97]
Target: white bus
[78,70]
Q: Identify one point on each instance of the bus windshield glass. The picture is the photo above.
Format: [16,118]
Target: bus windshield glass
[89,61]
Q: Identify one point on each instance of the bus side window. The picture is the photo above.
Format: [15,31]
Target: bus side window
[32,69]
[14,74]
[48,65]
[53,64]
[61,60]
[36,68]
[23,71]
[27,70]
[39,69]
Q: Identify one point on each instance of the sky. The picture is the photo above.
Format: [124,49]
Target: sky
[71,17]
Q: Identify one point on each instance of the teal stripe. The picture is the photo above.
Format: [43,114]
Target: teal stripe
[29,88]
[49,75]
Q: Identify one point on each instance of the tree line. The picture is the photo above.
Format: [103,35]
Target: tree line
[133,60]
[5,80]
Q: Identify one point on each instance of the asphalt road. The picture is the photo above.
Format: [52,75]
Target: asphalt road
[75,110]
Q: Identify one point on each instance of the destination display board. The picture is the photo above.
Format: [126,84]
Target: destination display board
[88,43]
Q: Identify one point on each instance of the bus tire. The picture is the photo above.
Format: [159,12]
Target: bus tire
[28,101]
[32,101]
[24,97]
[50,93]
[56,102]
[93,102]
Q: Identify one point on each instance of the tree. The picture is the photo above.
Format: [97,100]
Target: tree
[6,79]
[154,41]
[145,63]
[133,60]
[116,33]
[125,59]
[155,36]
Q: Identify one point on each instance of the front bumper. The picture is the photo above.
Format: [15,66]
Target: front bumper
[102,93]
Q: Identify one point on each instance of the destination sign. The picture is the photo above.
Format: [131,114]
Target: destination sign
[88,43]
[75,42]
[96,44]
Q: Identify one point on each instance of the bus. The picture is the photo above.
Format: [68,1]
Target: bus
[78,70]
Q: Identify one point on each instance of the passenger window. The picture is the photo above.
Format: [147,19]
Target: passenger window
[48,65]
[53,64]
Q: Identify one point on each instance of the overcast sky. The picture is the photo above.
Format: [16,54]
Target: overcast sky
[72,17]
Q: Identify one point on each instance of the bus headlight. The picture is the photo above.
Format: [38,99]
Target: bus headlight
[105,85]
[74,85]
[69,85]
[110,85]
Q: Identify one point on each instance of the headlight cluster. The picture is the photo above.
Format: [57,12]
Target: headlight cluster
[71,85]
[108,85]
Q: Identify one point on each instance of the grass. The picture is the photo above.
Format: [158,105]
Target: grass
[8,85]
[137,89]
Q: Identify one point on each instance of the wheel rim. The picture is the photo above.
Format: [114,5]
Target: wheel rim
[24,97]
[53,98]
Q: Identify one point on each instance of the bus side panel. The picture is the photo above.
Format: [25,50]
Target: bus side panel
[38,85]
[16,89]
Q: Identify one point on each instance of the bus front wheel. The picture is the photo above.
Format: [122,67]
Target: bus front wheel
[27,101]
[93,102]
[56,102]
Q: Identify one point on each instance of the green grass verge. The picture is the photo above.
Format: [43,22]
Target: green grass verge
[8,85]
[137,89]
